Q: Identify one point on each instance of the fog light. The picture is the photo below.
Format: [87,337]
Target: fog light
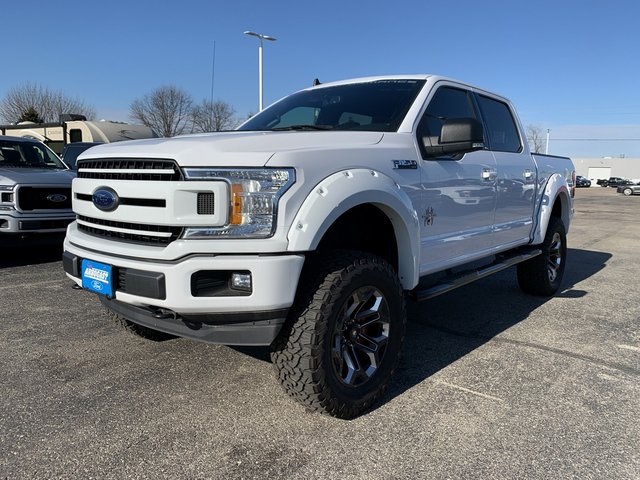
[241,281]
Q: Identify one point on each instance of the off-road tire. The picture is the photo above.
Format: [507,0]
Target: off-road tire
[542,275]
[139,330]
[346,302]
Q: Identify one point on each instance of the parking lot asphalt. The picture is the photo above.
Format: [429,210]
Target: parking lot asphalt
[493,383]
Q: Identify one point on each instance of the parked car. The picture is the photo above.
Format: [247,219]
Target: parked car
[614,182]
[72,150]
[582,181]
[35,191]
[629,190]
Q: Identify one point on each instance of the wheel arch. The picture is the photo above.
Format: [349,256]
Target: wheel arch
[360,199]
[555,201]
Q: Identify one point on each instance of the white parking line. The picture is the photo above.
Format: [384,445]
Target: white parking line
[629,347]
[473,392]
[31,284]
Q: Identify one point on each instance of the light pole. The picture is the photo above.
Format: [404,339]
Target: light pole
[546,150]
[260,37]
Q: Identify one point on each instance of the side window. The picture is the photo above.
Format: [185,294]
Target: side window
[448,102]
[75,135]
[501,128]
[55,145]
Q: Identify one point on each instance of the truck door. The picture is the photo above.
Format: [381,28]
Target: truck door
[459,192]
[516,180]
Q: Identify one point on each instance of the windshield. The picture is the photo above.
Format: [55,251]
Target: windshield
[26,154]
[373,106]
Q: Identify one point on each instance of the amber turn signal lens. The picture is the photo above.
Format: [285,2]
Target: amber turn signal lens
[236,204]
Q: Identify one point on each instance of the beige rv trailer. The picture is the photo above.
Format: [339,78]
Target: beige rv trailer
[74,128]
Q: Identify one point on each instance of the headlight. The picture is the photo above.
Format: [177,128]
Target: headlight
[6,197]
[253,200]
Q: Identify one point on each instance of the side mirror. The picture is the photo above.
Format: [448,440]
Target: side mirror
[457,136]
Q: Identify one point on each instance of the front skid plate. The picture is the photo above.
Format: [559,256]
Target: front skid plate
[252,332]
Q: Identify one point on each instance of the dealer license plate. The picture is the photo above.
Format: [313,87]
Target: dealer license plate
[96,277]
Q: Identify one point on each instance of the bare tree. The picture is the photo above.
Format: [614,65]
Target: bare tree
[166,110]
[30,115]
[47,105]
[213,116]
[535,137]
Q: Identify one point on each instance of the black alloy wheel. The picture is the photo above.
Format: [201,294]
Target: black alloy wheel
[342,341]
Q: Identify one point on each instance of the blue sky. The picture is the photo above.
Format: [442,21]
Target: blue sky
[569,66]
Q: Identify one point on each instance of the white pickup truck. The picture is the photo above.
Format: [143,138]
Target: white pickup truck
[308,227]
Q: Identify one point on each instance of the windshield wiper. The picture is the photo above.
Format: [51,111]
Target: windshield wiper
[304,127]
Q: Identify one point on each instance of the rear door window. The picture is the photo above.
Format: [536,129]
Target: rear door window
[501,128]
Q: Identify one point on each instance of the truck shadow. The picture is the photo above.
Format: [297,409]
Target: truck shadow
[446,328]
[31,253]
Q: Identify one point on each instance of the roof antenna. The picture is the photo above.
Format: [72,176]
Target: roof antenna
[315,82]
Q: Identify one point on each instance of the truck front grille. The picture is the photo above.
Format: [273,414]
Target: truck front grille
[137,170]
[158,235]
[43,198]
[130,169]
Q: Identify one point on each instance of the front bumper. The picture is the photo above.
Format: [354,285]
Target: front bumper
[31,223]
[169,295]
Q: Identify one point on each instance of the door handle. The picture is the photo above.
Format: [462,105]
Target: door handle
[488,174]
[527,174]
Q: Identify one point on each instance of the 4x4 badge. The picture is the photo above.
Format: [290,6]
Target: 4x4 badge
[429,216]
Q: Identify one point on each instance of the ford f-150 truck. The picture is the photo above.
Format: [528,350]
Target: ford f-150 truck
[308,227]
[35,191]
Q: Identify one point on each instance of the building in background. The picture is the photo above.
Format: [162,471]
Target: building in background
[602,168]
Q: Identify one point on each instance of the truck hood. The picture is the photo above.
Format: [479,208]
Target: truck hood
[238,148]
[35,176]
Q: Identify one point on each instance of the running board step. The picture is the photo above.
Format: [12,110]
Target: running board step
[465,277]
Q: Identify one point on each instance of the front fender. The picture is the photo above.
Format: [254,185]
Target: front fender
[556,189]
[347,189]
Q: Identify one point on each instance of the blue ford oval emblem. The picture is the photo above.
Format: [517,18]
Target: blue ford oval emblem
[56,198]
[105,199]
